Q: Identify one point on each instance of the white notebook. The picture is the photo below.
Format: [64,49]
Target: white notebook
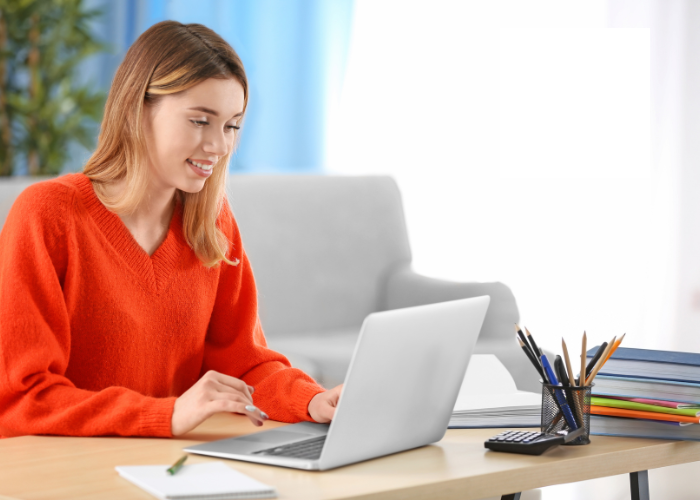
[207,481]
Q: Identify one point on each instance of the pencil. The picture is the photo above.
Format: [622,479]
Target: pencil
[567,361]
[582,375]
[601,362]
[534,344]
[177,465]
[594,360]
[520,334]
[617,344]
[575,395]
[530,356]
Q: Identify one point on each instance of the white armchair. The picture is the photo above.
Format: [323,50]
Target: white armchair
[329,250]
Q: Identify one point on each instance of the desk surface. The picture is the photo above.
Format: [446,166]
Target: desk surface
[459,467]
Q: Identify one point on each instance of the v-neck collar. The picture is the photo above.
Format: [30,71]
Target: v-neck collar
[153,270]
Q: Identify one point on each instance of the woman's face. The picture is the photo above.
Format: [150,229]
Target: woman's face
[188,132]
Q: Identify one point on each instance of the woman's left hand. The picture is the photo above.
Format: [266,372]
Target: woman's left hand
[322,405]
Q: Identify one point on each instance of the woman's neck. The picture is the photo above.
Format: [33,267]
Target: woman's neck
[149,222]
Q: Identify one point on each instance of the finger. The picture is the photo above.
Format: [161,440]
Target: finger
[223,388]
[256,416]
[335,394]
[232,382]
[326,413]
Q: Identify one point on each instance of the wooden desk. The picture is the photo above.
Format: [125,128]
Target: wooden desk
[458,467]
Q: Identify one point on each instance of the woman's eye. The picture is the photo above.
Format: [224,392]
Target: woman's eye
[200,123]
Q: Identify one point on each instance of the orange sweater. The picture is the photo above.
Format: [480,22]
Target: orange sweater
[98,338]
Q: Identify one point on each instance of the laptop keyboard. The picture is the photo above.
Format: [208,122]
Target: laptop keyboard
[309,448]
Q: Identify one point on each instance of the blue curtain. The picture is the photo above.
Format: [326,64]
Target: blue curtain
[294,52]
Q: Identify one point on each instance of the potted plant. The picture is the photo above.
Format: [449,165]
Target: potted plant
[42,108]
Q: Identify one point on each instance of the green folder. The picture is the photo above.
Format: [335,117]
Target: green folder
[631,405]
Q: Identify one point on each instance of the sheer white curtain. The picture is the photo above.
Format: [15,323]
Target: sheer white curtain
[675,27]
[519,135]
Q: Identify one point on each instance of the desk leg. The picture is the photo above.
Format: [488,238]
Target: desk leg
[639,485]
[512,496]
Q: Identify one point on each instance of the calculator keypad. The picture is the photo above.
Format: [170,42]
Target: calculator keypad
[528,442]
[517,436]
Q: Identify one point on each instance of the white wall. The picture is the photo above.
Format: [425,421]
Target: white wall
[519,134]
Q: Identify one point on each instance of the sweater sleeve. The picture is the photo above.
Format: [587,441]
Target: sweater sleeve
[35,333]
[236,343]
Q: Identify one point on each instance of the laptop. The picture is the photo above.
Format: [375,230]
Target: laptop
[399,392]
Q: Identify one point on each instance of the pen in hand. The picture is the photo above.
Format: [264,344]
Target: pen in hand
[177,465]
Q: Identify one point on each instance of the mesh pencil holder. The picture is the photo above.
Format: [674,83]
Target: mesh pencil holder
[557,401]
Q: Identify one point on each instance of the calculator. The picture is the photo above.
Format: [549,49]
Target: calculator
[530,443]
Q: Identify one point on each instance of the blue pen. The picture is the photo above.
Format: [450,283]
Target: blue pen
[559,394]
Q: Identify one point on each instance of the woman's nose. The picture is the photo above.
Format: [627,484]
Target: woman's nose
[216,144]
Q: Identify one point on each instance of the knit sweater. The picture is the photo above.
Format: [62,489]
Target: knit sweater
[99,338]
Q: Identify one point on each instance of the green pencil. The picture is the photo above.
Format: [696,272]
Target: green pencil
[177,465]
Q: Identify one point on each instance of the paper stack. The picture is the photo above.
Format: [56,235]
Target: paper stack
[490,398]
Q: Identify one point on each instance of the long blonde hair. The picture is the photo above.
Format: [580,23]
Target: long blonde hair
[167,58]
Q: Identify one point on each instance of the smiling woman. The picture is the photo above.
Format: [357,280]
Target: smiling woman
[149,135]
[127,303]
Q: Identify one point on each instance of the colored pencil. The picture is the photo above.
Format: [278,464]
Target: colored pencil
[594,360]
[601,362]
[617,344]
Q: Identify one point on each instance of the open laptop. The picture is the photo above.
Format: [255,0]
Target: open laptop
[399,392]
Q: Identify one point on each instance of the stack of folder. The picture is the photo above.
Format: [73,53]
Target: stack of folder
[647,393]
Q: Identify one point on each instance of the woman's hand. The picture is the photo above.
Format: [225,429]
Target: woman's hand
[322,405]
[214,393]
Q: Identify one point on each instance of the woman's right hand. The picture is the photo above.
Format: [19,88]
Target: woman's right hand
[214,393]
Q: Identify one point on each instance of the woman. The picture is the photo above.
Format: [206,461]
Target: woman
[127,302]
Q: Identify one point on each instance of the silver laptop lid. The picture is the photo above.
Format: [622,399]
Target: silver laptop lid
[403,380]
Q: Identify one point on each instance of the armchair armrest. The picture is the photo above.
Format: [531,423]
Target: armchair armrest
[405,288]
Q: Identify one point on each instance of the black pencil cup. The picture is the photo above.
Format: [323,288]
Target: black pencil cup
[578,400]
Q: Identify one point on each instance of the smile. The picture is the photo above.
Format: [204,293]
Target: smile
[206,168]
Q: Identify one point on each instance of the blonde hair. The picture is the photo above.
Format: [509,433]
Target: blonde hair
[167,58]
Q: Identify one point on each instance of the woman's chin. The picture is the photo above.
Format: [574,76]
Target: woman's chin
[192,187]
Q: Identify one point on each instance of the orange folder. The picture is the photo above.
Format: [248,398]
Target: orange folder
[651,415]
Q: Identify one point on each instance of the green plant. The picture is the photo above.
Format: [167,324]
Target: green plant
[42,109]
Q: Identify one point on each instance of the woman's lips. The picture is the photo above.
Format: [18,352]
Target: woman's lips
[198,170]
